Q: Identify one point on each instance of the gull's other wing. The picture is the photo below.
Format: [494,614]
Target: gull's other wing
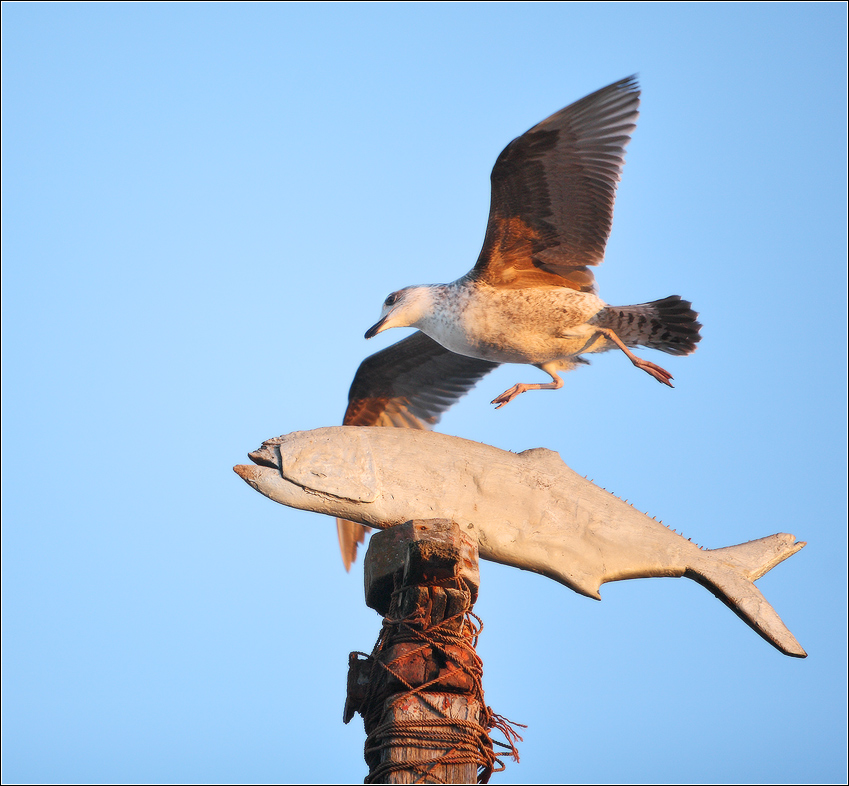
[407,385]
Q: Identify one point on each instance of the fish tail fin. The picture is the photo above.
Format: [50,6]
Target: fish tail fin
[729,573]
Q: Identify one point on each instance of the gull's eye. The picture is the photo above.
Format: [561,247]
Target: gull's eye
[391,300]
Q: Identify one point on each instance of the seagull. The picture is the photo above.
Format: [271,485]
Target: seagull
[530,298]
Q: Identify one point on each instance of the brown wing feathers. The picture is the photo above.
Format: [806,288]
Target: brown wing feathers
[410,384]
[553,190]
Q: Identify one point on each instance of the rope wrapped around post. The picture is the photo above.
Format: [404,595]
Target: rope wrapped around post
[420,691]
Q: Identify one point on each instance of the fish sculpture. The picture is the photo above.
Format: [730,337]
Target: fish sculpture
[527,510]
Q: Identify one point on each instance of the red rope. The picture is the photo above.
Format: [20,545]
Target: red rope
[452,741]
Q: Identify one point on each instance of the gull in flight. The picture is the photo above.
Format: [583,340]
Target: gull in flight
[530,298]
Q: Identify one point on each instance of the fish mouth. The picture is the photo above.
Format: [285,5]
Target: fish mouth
[376,328]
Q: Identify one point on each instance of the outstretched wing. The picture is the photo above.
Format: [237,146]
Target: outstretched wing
[553,190]
[407,385]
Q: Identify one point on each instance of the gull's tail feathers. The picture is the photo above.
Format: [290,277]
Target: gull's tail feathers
[669,325]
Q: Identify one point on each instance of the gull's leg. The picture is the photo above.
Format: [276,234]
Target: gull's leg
[508,395]
[660,374]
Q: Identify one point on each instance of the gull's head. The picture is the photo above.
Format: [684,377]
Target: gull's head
[404,308]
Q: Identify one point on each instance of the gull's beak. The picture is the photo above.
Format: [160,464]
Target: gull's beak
[376,328]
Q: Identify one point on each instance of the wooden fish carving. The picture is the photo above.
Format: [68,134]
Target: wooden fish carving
[528,510]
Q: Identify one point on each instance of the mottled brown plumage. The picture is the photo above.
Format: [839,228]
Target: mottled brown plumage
[530,298]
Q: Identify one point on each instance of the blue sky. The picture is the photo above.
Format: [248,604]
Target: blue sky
[203,209]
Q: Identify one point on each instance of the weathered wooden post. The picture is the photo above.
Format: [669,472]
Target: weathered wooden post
[420,691]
